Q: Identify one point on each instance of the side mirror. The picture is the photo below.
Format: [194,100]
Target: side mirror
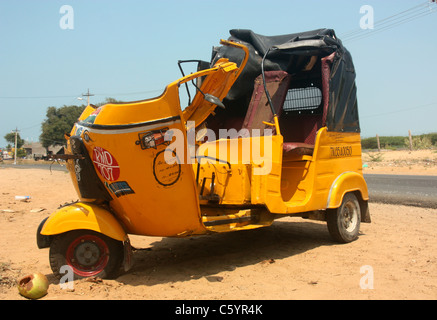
[214,100]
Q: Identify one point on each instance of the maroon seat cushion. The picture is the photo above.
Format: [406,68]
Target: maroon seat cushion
[303,149]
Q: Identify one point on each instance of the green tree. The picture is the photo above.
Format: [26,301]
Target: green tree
[21,153]
[58,122]
[10,137]
[109,100]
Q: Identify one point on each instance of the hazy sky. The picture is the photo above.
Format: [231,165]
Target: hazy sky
[128,50]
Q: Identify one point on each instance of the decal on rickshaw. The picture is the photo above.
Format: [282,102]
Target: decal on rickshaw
[77,169]
[345,151]
[92,117]
[166,172]
[78,130]
[119,188]
[106,164]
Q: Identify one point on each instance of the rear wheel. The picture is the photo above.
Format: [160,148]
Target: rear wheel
[344,222]
[88,253]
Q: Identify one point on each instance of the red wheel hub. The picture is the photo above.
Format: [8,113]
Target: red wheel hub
[88,255]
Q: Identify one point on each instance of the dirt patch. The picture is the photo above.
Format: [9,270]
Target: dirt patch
[293,259]
[417,162]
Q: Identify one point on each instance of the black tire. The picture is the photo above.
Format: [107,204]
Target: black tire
[88,253]
[344,222]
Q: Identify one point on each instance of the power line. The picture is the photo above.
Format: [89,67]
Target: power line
[390,22]
[36,97]
[391,26]
[74,96]
[129,93]
[400,110]
[359,30]
[88,95]
[35,125]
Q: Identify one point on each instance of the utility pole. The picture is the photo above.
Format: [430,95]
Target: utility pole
[16,134]
[378,144]
[88,95]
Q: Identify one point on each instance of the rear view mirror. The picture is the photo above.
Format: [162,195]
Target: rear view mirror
[214,100]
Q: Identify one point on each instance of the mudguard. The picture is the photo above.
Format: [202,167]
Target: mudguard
[83,216]
[344,183]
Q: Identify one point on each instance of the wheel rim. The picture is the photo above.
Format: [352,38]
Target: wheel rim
[349,216]
[88,255]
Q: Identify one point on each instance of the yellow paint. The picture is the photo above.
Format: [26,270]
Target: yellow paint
[165,200]
[246,182]
[83,216]
[295,183]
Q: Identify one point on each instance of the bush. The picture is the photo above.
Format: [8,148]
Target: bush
[369,143]
[424,141]
[395,142]
[375,157]
[419,142]
[433,137]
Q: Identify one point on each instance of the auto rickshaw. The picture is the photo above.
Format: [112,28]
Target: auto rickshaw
[272,131]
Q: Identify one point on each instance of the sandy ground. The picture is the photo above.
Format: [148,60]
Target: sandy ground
[395,256]
[417,162]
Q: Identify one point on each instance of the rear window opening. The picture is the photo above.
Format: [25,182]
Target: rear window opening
[307,99]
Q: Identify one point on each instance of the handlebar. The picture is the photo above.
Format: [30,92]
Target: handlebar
[239,46]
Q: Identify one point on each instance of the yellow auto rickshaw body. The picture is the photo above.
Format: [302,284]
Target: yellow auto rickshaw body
[251,147]
[154,168]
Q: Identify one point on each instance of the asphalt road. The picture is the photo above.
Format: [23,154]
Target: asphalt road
[403,189]
[393,189]
[49,165]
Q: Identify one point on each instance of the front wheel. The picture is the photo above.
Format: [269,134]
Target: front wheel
[344,222]
[87,253]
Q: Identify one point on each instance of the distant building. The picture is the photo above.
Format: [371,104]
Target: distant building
[5,155]
[36,151]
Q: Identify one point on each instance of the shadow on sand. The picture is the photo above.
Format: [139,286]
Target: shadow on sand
[174,260]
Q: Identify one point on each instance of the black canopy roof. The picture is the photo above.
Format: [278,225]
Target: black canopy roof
[291,53]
